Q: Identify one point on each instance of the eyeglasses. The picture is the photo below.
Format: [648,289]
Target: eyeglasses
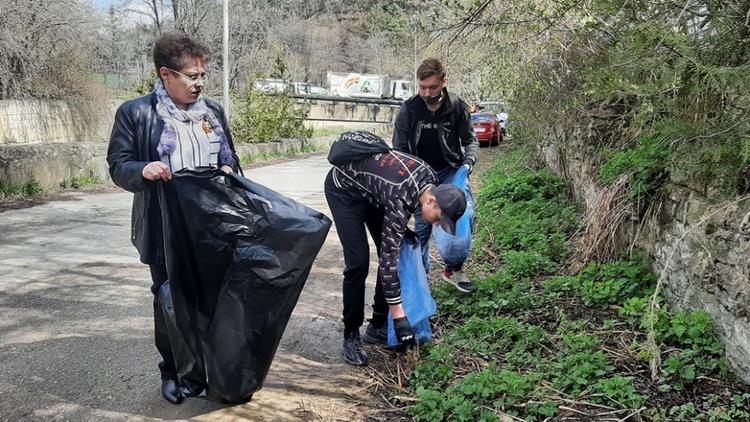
[193,79]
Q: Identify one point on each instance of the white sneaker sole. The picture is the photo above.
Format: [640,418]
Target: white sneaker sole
[455,284]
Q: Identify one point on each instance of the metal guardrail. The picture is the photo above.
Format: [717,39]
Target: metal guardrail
[332,100]
[318,119]
[354,100]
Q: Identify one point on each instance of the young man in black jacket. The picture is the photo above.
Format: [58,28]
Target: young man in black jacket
[436,127]
[381,193]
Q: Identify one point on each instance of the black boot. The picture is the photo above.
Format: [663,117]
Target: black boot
[171,391]
[190,388]
[352,351]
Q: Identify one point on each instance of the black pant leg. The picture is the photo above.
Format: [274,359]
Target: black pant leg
[374,222]
[161,337]
[349,215]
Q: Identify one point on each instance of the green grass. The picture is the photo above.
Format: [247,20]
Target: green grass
[272,155]
[79,182]
[33,188]
[335,131]
[27,189]
[646,165]
[330,131]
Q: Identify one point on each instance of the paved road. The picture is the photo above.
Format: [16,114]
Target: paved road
[76,323]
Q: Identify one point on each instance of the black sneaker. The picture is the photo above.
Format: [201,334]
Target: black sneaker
[352,351]
[374,335]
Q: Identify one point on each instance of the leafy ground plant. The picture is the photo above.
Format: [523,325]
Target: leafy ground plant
[537,344]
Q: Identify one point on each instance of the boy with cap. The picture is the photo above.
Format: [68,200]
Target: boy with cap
[381,192]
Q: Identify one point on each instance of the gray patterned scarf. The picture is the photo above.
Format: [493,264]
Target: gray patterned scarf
[196,112]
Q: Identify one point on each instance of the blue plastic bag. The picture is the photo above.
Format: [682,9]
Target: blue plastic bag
[415,292]
[455,249]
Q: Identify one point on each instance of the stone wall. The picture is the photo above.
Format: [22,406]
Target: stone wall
[285,146]
[51,164]
[37,121]
[701,244]
[709,246]
[49,142]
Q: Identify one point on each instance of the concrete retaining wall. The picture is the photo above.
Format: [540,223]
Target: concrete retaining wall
[51,164]
[290,146]
[49,142]
[37,121]
[340,110]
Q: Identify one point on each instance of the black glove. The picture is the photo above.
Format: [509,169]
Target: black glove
[404,332]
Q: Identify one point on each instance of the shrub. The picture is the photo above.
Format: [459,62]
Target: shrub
[647,163]
[260,118]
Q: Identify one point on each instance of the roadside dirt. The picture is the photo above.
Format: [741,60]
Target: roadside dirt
[308,379]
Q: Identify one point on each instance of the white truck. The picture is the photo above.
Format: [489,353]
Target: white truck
[301,88]
[368,86]
[271,86]
[280,86]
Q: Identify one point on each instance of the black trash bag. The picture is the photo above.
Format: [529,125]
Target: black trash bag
[237,256]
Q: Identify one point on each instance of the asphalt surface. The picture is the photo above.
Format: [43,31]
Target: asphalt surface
[76,321]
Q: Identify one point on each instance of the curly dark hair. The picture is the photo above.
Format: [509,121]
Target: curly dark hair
[172,48]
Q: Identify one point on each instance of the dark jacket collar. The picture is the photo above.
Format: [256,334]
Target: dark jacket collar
[449,100]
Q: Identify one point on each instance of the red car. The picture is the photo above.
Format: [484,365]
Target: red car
[487,128]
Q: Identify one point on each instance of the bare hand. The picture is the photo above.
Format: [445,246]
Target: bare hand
[397,311]
[226,169]
[156,170]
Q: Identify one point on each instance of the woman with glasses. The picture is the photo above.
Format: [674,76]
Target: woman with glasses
[168,130]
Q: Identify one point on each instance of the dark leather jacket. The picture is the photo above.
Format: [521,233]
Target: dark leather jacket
[135,136]
[456,130]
